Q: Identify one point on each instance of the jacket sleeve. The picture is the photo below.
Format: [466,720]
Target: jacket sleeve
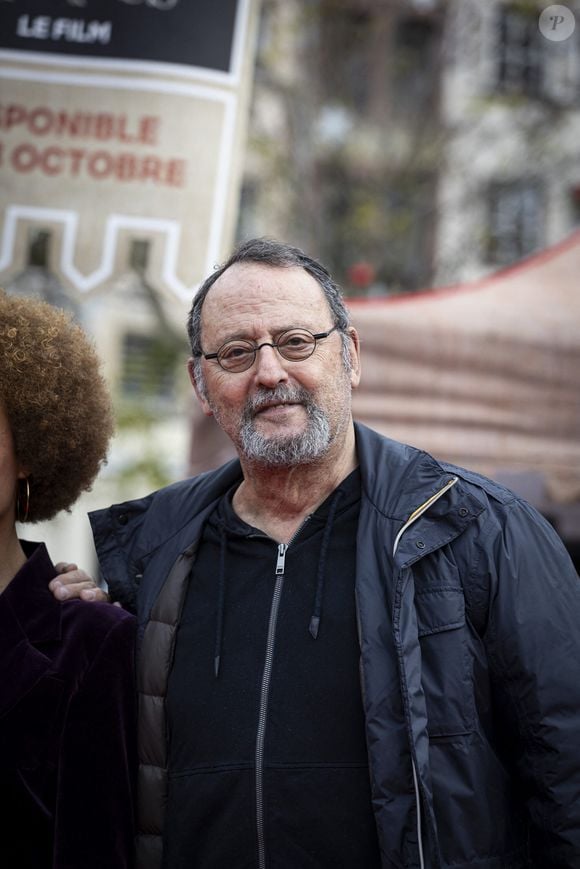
[94,823]
[533,645]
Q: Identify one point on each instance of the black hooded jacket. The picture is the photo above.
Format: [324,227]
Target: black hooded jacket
[469,626]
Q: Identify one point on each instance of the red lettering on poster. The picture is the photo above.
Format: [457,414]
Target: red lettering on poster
[24,158]
[101,165]
[76,161]
[100,126]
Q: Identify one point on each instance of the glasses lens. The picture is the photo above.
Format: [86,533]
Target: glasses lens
[296,344]
[236,355]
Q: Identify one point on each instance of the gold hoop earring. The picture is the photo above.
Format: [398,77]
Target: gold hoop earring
[23,500]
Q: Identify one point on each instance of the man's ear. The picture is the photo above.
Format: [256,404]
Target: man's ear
[354,348]
[199,388]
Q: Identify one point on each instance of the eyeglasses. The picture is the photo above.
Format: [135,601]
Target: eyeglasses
[293,344]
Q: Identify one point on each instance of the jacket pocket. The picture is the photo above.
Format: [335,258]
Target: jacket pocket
[446,672]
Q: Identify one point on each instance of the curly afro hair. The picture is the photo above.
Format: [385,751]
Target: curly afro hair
[56,401]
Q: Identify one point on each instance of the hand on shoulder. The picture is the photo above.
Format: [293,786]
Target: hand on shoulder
[73,582]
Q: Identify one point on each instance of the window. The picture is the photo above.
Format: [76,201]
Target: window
[139,255]
[348,46]
[575,205]
[520,60]
[374,59]
[415,67]
[515,220]
[39,247]
[148,367]
[248,224]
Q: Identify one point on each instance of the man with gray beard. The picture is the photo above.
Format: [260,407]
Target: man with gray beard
[292,450]
[352,656]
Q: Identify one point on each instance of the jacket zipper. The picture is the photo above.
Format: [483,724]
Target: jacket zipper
[265,690]
[413,518]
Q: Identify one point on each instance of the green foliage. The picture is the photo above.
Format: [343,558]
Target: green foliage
[147,470]
[148,390]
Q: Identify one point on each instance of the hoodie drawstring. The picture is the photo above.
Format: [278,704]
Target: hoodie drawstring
[314,626]
[219,629]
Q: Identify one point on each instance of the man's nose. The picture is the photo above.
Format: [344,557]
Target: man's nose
[270,368]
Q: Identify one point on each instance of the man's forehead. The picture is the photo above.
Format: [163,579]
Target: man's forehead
[254,274]
[256,287]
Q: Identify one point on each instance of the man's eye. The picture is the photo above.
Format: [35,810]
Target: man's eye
[235,351]
[296,341]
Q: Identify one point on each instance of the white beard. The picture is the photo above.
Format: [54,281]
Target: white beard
[284,450]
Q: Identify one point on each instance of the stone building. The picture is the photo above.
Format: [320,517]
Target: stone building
[413,143]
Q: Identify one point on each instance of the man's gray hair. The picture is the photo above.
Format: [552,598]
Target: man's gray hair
[267,251]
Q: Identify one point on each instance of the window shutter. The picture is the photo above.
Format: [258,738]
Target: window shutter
[561,79]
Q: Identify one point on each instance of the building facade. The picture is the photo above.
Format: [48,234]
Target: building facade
[413,143]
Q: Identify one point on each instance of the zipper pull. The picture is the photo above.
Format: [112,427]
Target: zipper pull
[282,547]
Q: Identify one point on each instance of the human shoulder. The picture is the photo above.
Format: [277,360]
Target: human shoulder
[95,638]
[170,505]
[505,509]
[511,549]
[127,536]
[92,624]
[491,489]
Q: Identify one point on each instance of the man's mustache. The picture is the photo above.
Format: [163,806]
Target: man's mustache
[280,395]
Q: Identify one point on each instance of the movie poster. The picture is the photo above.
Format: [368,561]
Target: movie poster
[122,118]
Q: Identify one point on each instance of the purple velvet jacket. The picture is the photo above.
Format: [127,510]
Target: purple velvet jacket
[67,727]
